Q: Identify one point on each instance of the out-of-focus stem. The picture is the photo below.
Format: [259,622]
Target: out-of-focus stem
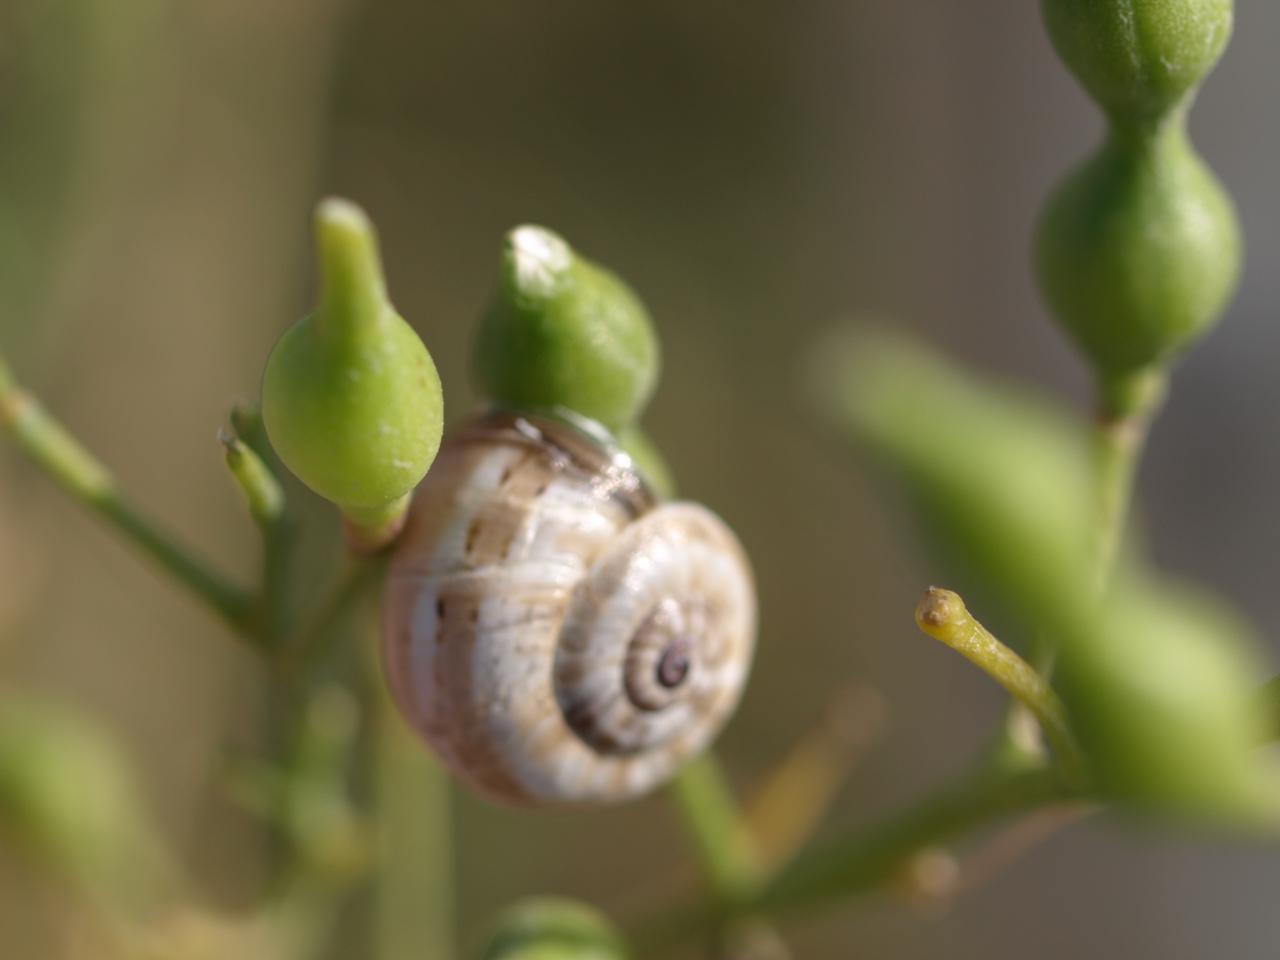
[61,456]
[1270,700]
[871,857]
[867,858]
[1124,421]
[705,800]
[309,644]
[415,891]
[798,792]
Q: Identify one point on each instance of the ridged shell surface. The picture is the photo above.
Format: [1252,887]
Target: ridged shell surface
[553,632]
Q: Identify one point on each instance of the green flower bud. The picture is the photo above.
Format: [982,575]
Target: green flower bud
[649,460]
[1138,253]
[551,928]
[1002,481]
[1139,57]
[564,332]
[1161,690]
[351,398]
[262,492]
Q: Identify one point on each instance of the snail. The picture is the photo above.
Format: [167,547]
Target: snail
[557,634]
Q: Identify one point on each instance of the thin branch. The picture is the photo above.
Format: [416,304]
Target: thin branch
[872,857]
[265,500]
[943,616]
[415,898]
[789,805]
[307,645]
[1121,439]
[864,860]
[1010,845]
[705,800]
[61,456]
[1270,700]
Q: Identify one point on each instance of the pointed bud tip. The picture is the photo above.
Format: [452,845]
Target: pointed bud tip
[343,214]
[352,289]
[534,259]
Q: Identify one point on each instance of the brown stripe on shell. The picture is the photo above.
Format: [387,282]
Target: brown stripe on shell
[565,449]
[502,519]
[456,633]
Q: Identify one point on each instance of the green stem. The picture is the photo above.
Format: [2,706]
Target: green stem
[1127,410]
[1270,701]
[414,905]
[868,858]
[55,451]
[277,561]
[943,615]
[309,644]
[266,502]
[231,602]
[702,794]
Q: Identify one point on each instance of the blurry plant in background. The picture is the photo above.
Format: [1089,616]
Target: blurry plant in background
[1130,691]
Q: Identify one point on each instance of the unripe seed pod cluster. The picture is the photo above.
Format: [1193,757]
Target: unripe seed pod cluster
[1138,250]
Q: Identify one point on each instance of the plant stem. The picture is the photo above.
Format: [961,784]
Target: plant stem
[862,861]
[705,800]
[1123,424]
[277,561]
[414,896]
[55,451]
[266,502]
[308,645]
[868,858]
[791,803]
[943,616]
[231,602]
[1269,699]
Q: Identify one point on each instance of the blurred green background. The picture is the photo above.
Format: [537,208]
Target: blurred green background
[757,172]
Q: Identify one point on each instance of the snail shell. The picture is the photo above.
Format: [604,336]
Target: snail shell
[553,632]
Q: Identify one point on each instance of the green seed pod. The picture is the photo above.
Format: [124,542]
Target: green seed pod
[1161,689]
[351,399]
[1138,253]
[1002,481]
[550,928]
[1138,58]
[564,332]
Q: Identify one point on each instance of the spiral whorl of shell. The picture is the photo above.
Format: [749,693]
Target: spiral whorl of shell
[555,634]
